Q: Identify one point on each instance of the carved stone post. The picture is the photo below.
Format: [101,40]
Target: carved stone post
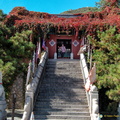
[30,93]
[28,107]
[94,107]
[3,104]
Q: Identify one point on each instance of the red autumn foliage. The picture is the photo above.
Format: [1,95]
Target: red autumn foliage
[88,22]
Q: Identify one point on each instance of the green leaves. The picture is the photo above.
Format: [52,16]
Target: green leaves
[13,52]
[107,57]
[20,45]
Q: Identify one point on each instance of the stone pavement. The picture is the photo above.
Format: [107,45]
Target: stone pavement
[17,116]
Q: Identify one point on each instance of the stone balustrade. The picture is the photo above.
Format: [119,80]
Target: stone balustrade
[31,88]
[92,94]
[118,118]
[3,104]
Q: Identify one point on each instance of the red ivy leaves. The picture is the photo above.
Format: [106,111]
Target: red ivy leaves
[89,22]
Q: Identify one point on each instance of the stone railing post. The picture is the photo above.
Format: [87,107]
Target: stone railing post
[118,118]
[94,107]
[28,107]
[3,104]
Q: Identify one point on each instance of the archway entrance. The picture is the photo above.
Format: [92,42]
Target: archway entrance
[67,44]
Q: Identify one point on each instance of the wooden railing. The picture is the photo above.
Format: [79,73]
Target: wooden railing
[32,87]
[92,92]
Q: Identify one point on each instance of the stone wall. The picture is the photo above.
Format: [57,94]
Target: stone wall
[18,89]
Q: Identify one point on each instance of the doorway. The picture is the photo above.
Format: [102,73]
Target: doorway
[67,44]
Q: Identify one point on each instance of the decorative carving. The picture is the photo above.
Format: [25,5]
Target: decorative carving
[95,106]
[75,43]
[52,43]
[27,108]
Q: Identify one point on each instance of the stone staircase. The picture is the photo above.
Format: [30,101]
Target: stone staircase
[61,95]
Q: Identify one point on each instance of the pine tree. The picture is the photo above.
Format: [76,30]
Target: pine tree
[106,54]
[13,53]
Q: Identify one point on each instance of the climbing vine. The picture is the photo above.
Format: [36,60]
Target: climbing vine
[89,22]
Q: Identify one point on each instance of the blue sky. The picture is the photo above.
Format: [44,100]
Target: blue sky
[49,6]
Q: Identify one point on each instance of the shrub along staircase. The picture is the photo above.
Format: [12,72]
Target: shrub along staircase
[61,94]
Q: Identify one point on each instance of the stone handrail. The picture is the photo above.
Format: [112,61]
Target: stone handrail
[31,69]
[92,94]
[3,104]
[32,88]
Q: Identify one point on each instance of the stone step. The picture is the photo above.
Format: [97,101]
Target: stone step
[81,102]
[83,109]
[62,95]
[66,90]
[62,82]
[63,79]
[62,98]
[61,89]
[49,69]
[63,67]
[68,117]
[65,70]
[62,60]
[61,113]
[18,113]
[64,73]
[63,63]
[56,92]
[62,106]
[60,85]
[59,76]
[57,99]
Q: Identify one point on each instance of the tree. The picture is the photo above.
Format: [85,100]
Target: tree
[101,4]
[2,15]
[14,51]
[104,3]
[106,54]
[81,10]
